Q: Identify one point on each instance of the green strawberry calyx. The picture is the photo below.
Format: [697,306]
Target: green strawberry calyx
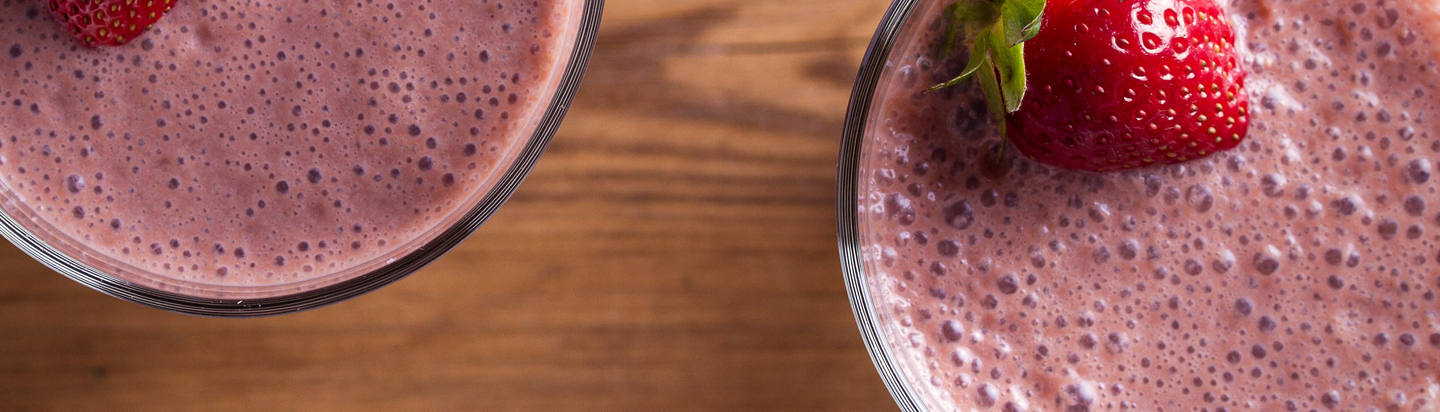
[995,31]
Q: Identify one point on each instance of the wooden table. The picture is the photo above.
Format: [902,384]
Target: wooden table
[673,250]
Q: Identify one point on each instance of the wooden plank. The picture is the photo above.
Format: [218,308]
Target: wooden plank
[673,250]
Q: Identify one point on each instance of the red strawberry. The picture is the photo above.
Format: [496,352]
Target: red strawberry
[1122,84]
[108,22]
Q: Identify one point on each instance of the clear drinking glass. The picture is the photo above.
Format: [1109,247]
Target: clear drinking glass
[117,278]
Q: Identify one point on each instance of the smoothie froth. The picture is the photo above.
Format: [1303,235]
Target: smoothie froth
[1294,273]
[269,144]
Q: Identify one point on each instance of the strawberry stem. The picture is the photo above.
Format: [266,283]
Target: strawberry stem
[995,31]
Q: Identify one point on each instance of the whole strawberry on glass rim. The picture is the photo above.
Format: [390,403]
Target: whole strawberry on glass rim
[1112,84]
[107,22]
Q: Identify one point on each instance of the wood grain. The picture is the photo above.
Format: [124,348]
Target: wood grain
[673,250]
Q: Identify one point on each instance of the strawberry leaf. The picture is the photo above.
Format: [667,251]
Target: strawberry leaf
[952,29]
[996,31]
[1009,62]
[967,17]
[990,85]
[1021,19]
[977,59]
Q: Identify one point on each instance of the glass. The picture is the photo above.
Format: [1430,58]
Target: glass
[100,272]
[896,27]
[914,162]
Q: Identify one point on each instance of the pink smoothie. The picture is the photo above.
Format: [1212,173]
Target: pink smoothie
[256,148]
[1298,272]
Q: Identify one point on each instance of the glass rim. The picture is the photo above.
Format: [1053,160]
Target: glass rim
[504,187]
[847,203]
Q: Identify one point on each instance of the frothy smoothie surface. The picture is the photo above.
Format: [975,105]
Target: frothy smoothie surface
[1298,272]
[269,144]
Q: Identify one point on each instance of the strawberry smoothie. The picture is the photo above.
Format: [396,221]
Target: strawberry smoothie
[1296,272]
[256,148]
